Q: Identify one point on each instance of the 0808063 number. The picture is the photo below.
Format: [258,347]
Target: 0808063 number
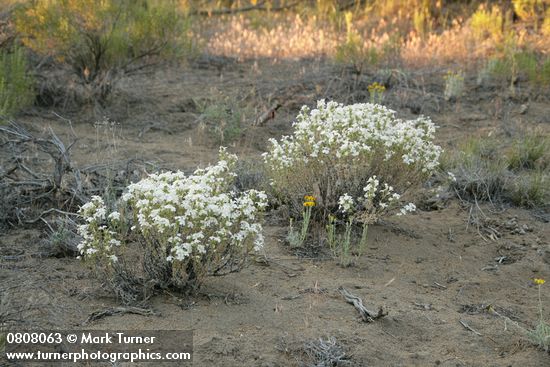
[34,338]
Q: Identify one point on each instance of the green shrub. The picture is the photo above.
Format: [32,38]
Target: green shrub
[487,24]
[99,39]
[223,117]
[16,85]
[515,63]
[227,122]
[527,65]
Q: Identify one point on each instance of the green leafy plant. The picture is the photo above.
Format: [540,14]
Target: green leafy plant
[487,23]
[16,85]
[297,239]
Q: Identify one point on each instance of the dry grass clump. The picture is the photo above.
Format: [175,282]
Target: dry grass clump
[478,171]
[415,34]
[532,151]
[483,171]
[293,39]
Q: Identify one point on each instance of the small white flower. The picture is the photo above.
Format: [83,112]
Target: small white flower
[346,203]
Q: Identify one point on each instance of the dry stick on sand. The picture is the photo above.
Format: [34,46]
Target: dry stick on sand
[119,311]
[267,115]
[468,327]
[366,315]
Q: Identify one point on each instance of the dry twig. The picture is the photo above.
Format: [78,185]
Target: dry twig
[94,316]
[366,315]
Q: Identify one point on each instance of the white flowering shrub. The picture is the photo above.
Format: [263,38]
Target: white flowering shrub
[171,229]
[335,149]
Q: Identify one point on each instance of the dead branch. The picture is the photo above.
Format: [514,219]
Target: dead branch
[468,327]
[32,176]
[267,115]
[366,315]
[38,179]
[94,316]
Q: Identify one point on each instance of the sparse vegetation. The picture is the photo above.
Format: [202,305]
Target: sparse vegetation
[156,214]
[479,172]
[530,190]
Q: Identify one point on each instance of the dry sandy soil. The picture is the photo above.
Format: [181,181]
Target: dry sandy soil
[433,273]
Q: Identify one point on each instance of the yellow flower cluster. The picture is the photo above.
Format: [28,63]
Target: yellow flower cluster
[376,88]
[309,201]
[539,281]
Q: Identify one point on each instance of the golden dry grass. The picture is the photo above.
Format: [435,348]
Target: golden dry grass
[295,37]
